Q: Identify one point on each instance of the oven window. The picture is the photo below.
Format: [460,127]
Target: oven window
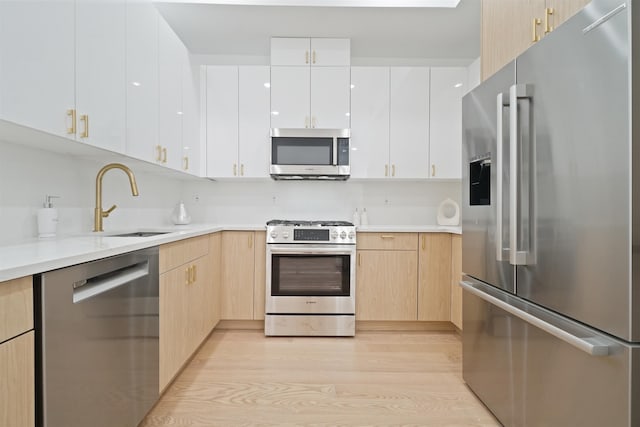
[310,275]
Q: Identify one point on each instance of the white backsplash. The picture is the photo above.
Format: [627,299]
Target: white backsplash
[28,174]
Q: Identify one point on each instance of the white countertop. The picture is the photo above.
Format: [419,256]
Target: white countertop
[40,255]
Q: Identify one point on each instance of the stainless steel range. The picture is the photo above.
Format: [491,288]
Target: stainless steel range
[311,278]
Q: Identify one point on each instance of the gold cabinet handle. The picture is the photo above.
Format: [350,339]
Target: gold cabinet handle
[547,13]
[235,169]
[393,170]
[85,133]
[386,170]
[195,275]
[306,56]
[433,170]
[159,156]
[306,121]
[250,241]
[534,32]
[164,154]
[313,121]
[72,113]
[387,236]
[314,56]
[359,260]
[185,161]
[424,242]
[187,273]
[242,169]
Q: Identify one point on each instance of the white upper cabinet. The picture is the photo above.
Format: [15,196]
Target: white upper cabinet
[37,80]
[100,73]
[192,143]
[237,121]
[369,122]
[310,83]
[409,122]
[142,80]
[222,121]
[310,51]
[254,125]
[290,97]
[448,85]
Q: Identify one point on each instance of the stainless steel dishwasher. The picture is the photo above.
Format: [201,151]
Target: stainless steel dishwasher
[97,337]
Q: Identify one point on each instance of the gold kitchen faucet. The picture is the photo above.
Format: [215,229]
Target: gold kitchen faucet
[99,213]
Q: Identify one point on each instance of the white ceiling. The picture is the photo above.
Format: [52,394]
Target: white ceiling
[375,32]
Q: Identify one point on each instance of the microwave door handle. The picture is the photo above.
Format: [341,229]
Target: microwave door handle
[502,253]
[335,151]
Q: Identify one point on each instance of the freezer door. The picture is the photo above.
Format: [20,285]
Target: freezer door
[573,173]
[534,368]
[485,173]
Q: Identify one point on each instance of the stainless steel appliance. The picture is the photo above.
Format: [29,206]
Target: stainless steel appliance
[310,154]
[551,228]
[97,335]
[311,275]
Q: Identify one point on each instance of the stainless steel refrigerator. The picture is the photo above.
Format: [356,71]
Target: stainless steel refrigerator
[551,227]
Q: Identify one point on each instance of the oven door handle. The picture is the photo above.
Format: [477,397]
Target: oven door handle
[309,250]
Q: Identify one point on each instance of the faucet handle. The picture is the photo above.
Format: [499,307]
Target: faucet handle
[108,211]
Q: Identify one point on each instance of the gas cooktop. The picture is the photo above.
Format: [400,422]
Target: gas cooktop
[306,223]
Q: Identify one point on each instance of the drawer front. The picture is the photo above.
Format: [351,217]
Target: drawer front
[175,254]
[388,241]
[16,307]
[17,384]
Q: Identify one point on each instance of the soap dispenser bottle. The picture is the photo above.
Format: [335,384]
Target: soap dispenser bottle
[364,218]
[356,218]
[47,218]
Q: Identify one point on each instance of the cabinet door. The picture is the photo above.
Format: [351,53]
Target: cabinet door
[142,80]
[222,121]
[198,326]
[254,121]
[409,123]
[507,30]
[386,285]
[434,280]
[100,73]
[173,323]
[330,52]
[37,81]
[369,121]
[191,140]
[236,296]
[290,101]
[170,51]
[17,388]
[456,276]
[445,124]
[290,51]
[259,278]
[563,10]
[215,278]
[330,97]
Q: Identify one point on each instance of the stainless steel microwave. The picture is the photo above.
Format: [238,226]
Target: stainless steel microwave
[310,154]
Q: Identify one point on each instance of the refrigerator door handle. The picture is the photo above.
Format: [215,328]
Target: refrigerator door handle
[502,253]
[522,245]
[593,346]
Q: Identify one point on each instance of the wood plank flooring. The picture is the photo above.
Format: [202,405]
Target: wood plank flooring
[241,378]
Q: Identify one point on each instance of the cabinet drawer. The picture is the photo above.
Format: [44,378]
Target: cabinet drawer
[175,254]
[16,307]
[388,241]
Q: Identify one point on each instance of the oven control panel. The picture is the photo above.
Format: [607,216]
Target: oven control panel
[332,235]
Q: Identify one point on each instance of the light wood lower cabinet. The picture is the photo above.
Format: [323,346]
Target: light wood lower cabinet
[243,275]
[456,276]
[16,307]
[17,381]
[386,276]
[187,295]
[434,277]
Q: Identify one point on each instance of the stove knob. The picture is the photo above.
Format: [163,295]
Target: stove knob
[334,235]
[285,234]
[343,235]
[274,234]
[351,235]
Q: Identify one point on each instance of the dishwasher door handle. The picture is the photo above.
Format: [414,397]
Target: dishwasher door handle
[104,283]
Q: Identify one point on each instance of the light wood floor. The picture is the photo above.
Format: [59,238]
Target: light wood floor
[241,378]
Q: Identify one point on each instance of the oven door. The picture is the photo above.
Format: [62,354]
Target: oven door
[310,278]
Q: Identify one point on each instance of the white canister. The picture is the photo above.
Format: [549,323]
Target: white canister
[180,215]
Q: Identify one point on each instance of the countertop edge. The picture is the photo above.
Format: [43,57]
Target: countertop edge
[38,256]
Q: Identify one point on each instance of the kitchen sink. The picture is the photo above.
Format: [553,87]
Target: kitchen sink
[140,234]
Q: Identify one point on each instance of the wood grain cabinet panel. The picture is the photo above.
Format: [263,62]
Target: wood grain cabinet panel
[16,307]
[177,253]
[17,382]
[434,278]
[456,276]
[388,241]
[238,275]
[386,283]
[259,275]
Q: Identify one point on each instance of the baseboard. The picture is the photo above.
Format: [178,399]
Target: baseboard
[400,326]
[241,324]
